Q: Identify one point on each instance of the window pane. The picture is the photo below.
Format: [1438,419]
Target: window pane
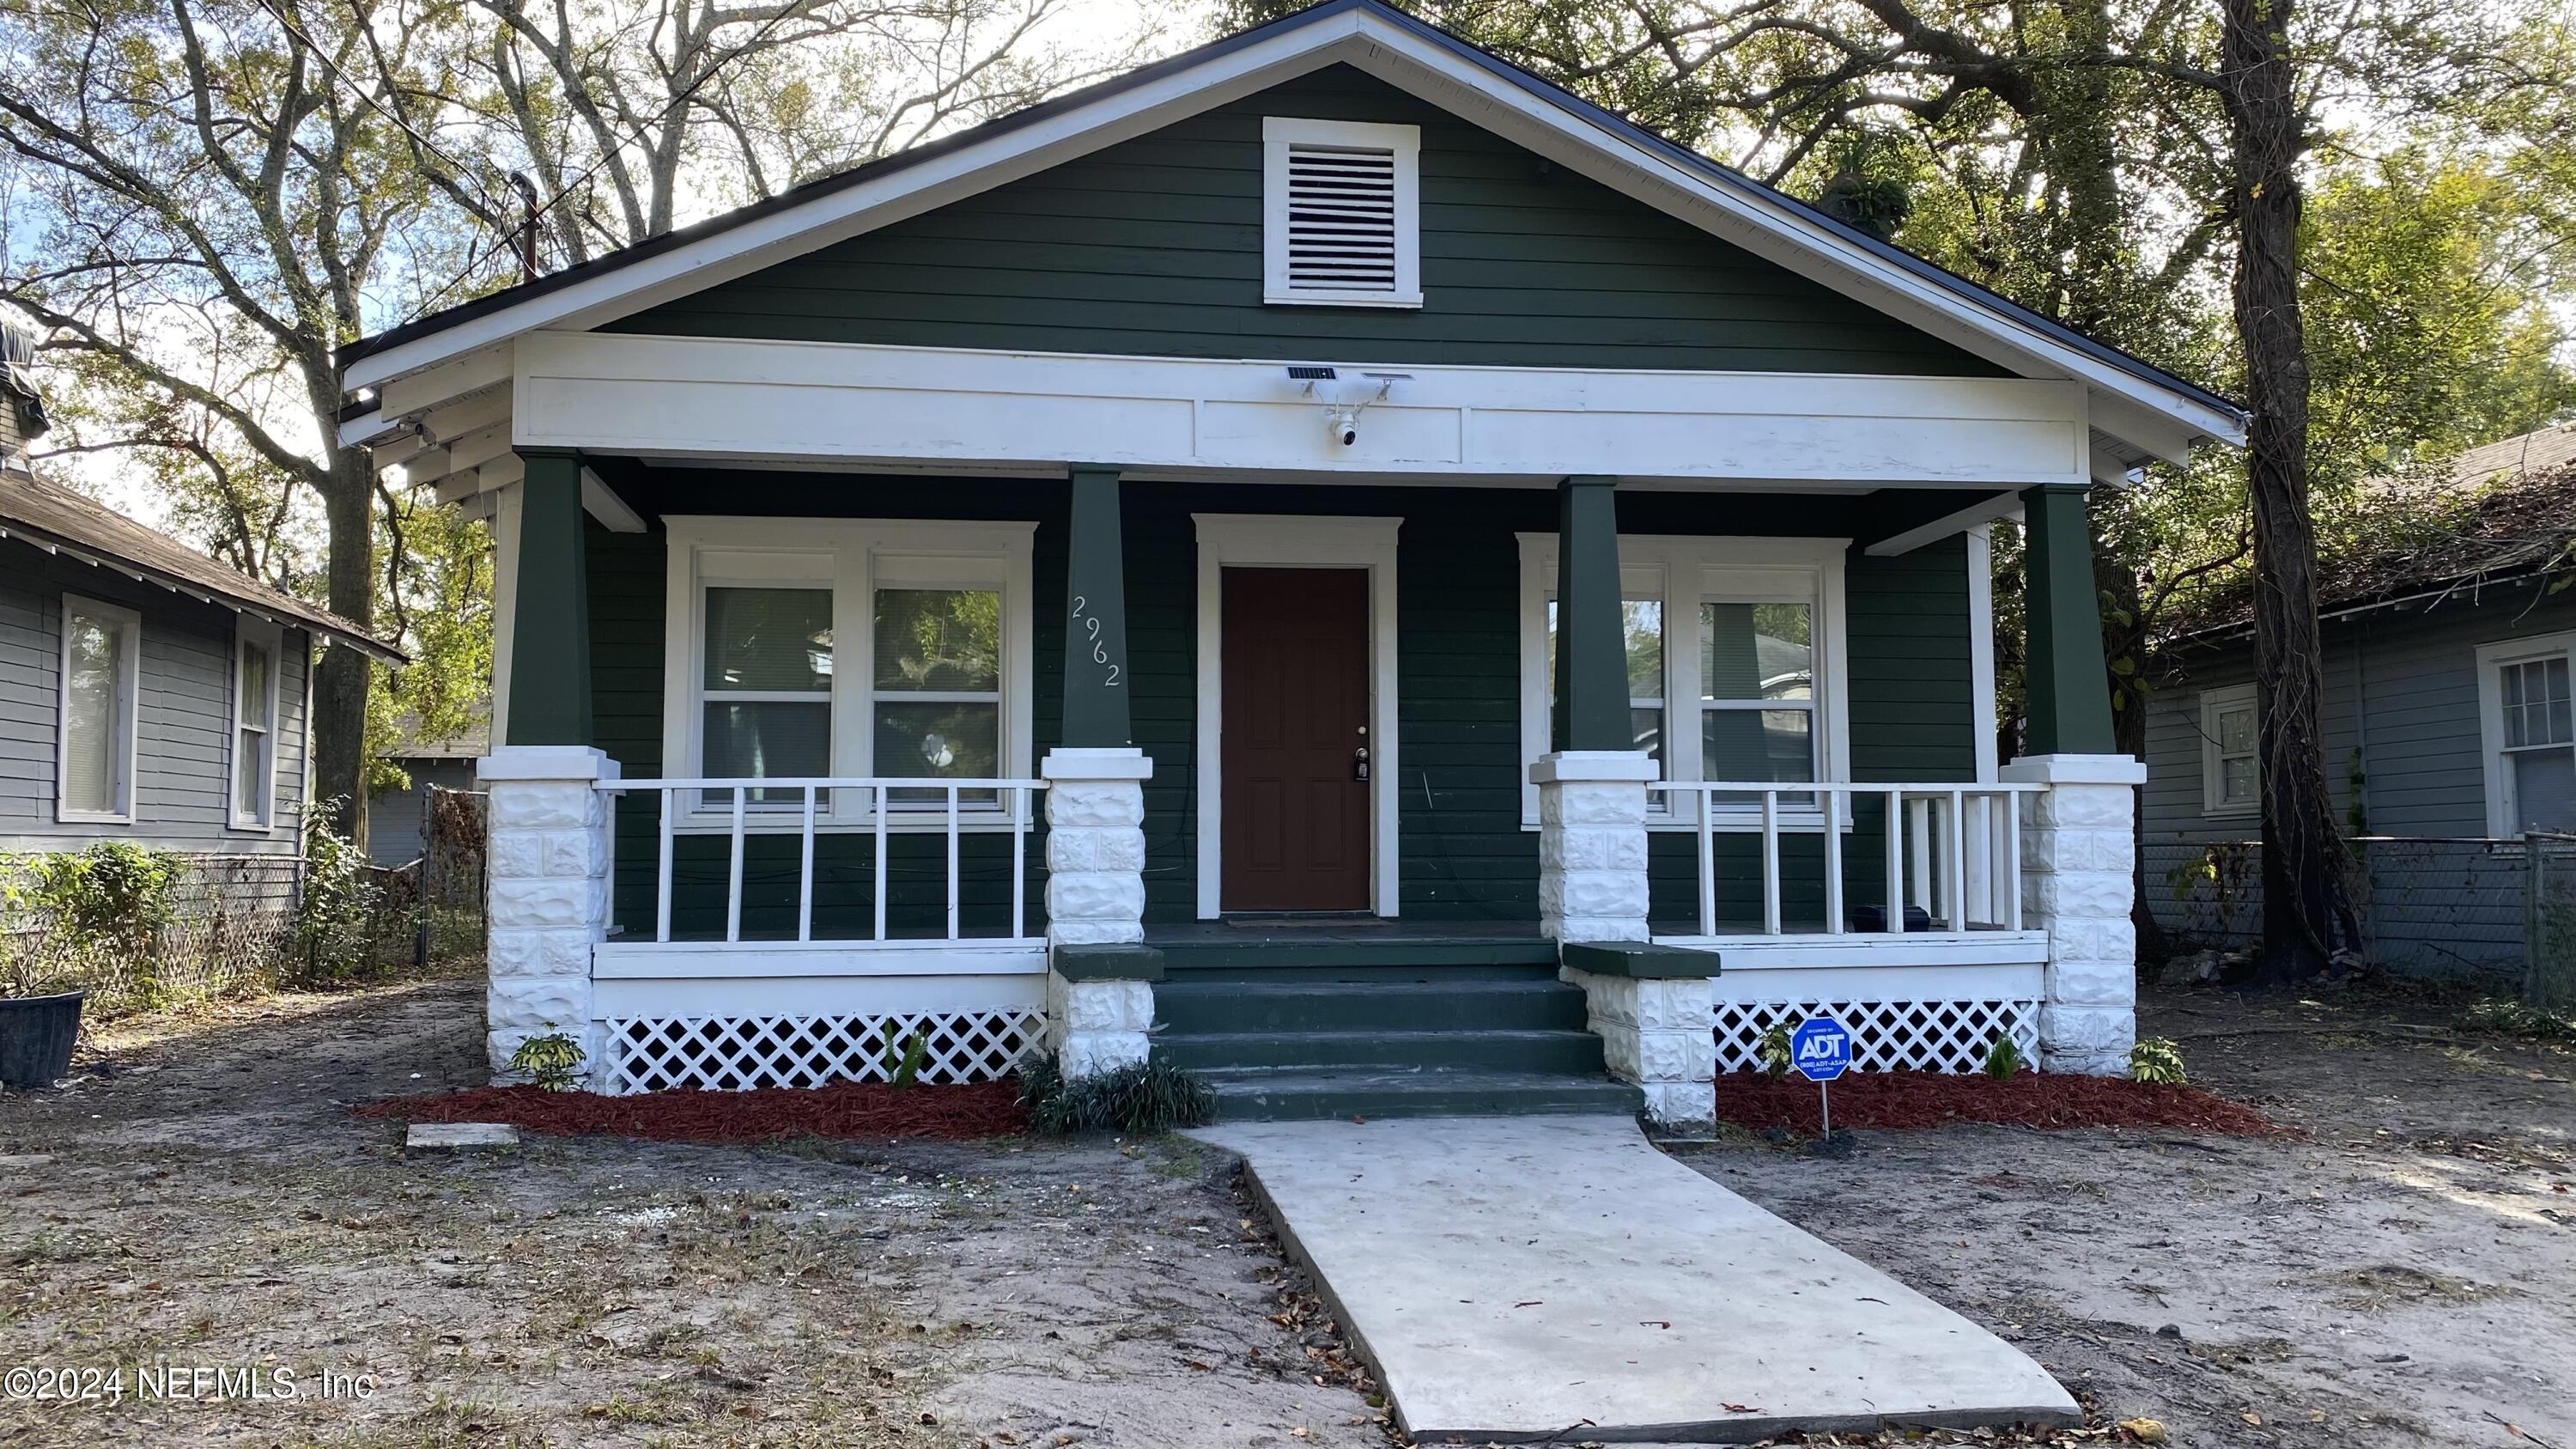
[1647,726]
[764,740]
[1756,651]
[1757,744]
[938,640]
[953,741]
[1642,622]
[2544,789]
[96,721]
[2236,780]
[768,639]
[2236,732]
[254,686]
[250,769]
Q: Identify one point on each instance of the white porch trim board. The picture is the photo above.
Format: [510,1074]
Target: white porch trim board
[1261,540]
[754,400]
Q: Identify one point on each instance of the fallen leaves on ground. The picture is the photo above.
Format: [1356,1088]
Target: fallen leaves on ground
[849,1111]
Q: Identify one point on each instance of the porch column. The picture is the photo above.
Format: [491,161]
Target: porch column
[550,622]
[547,877]
[2077,842]
[1100,1003]
[1592,787]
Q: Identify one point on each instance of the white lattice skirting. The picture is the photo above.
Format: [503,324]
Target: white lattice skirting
[735,1053]
[1927,1036]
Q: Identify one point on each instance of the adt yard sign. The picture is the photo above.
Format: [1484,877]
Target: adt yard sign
[1820,1049]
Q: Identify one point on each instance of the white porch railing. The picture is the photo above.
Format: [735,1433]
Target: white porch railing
[1952,850]
[859,805]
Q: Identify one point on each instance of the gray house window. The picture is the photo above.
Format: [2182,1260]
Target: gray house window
[94,747]
[2229,775]
[255,685]
[2539,743]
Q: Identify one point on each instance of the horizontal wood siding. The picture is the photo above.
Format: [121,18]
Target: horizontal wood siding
[1153,247]
[1464,853]
[2412,740]
[183,739]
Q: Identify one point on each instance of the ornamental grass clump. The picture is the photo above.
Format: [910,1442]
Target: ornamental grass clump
[1139,1099]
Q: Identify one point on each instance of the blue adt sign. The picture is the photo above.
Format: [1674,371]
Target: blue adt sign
[1820,1049]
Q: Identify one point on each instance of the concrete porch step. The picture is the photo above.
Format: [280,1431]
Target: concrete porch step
[1188,1006]
[1510,1051]
[1248,1096]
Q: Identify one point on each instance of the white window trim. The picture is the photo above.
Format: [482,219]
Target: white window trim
[263,819]
[2213,801]
[1277,134]
[1260,540]
[2491,661]
[129,689]
[1694,568]
[851,557]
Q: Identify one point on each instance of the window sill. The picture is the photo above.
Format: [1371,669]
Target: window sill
[90,817]
[2230,812]
[1342,299]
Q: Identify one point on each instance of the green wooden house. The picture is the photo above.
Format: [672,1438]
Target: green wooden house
[1325,559]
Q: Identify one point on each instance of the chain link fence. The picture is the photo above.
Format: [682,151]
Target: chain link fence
[2434,908]
[230,927]
[2549,926]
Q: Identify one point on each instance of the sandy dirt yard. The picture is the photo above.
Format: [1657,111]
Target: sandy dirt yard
[204,1200]
[2404,1274]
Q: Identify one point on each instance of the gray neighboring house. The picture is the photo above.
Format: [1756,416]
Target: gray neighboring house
[147,692]
[394,816]
[2448,728]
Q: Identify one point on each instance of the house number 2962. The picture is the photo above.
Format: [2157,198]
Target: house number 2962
[1090,623]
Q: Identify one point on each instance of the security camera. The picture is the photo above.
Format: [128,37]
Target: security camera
[1345,423]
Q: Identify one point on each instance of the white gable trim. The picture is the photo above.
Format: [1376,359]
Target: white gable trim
[2157,420]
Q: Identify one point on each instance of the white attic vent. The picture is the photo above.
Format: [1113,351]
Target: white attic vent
[1341,216]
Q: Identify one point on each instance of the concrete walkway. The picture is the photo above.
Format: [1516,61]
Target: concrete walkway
[1526,1278]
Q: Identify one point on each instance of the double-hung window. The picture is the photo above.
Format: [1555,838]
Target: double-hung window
[850,649]
[101,662]
[1735,660]
[2229,775]
[256,656]
[2527,711]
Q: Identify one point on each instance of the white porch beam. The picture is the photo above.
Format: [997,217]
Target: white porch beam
[601,502]
[449,380]
[1975,515]
[2110,468]
[741,400]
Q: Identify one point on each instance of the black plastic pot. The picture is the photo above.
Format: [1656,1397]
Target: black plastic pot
[36,1036]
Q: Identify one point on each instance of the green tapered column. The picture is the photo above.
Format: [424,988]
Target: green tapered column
[2070,699]
[1096,684]
[550,632]
[1591,647]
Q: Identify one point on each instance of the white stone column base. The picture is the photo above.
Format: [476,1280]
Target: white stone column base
[547,890]
[1098,1026]
[1658,1034]
[1095,846]
[1592,844]
[2078,861]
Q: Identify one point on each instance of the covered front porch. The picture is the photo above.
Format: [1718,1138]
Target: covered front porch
[865,779]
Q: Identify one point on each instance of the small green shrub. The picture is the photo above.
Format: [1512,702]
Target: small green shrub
[552,1062]
[916,1051]
[105,906]
[334,915]
[1139,1099]
[2157,1060]
[2504,1016]
[2004,1059]
[1773,1050]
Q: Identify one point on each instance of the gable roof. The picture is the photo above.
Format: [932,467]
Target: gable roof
[2142,412]
[57,520]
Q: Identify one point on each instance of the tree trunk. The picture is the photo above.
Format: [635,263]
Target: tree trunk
[2300,848]
[339,727]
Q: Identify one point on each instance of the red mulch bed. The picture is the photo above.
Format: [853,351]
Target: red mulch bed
[1901,1101]
[851,1110]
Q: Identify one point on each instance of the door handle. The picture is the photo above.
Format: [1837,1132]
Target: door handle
[1359,763]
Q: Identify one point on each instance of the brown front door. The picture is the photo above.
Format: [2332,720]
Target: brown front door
[1296,667]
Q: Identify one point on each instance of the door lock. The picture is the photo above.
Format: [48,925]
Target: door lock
[1359,763]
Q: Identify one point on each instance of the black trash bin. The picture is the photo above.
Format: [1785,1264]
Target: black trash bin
[36,1036]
